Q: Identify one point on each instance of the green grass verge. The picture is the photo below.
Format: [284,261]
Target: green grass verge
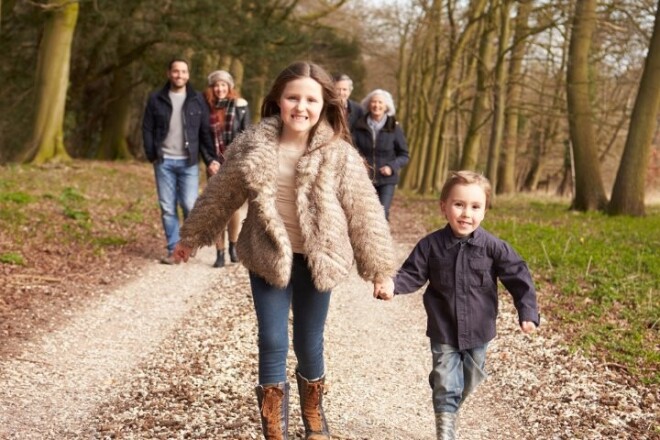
[94,205]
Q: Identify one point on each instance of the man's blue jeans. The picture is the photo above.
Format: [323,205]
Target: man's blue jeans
[310,310]
[177,184]
[455,375]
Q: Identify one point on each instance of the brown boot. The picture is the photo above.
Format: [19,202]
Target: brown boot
[311,402]
[274,410]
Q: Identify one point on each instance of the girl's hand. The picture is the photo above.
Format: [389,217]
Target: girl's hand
[527,327]
[181,253]
[384,289]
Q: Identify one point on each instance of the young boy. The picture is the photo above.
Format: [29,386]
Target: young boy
[462,263]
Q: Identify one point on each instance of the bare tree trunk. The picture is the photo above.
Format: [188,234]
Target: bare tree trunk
[480,113]
[114,143]
[499,100]
[506,183]
[52,78]
[419,100]
[589,192]
[435,169]
[628,192]
[237,70]
[535,160]
[566,185]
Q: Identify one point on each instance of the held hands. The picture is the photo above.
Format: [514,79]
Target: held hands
[527,327]
[384,289]
[181,253]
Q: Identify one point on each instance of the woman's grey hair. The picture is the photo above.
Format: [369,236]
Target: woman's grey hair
[387,97]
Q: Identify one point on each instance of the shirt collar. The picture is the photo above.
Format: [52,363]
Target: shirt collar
[450,240]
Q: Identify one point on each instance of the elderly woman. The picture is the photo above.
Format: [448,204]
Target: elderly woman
[381,142]
[229,115]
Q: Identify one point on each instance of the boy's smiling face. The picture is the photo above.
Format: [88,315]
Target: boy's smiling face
[464,208]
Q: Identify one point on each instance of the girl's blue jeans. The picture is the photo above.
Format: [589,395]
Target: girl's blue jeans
[310,310]
[456,374]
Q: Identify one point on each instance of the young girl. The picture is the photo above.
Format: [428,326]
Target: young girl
[229,116]
[312,211]
[462,263]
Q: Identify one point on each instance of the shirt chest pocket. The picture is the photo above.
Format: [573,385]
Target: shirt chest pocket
[441,272]
[480,273]
[193,115]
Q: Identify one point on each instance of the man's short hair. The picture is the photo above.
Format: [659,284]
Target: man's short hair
[177,60]
[344,77]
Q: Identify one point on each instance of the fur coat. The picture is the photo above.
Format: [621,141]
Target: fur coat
[341,218]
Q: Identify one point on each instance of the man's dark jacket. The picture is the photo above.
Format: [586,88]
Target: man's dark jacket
[355,112]
[196,129]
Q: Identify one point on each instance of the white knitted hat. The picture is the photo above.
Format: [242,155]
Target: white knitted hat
[221,75]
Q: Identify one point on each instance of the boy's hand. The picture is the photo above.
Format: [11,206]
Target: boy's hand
[527,327]
[181,253]
[384,289]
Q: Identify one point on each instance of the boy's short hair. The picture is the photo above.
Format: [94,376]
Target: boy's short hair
[466,177]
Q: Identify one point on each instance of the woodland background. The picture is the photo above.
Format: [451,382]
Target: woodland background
[560,95]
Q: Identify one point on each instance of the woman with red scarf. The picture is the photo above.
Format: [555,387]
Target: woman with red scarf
[229,116]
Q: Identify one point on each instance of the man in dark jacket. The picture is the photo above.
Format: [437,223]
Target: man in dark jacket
[176,132]
[344,87]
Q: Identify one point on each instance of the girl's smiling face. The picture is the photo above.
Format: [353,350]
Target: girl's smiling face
[301,105]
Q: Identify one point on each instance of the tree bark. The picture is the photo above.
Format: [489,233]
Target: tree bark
[628,192]
[480,112]
[499,95]
[436,167]
[506,183]
[52,78]
[114,143]
[589,193]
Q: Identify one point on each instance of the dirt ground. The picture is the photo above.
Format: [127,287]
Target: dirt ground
[123,347]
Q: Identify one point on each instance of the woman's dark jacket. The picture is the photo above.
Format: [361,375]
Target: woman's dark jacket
[196,129]
[390,148]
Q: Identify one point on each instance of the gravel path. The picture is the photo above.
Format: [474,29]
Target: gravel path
[172,355]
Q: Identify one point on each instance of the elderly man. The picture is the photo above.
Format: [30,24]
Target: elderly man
[344,87]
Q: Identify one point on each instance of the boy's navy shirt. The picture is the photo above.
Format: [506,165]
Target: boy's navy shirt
[461,299]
